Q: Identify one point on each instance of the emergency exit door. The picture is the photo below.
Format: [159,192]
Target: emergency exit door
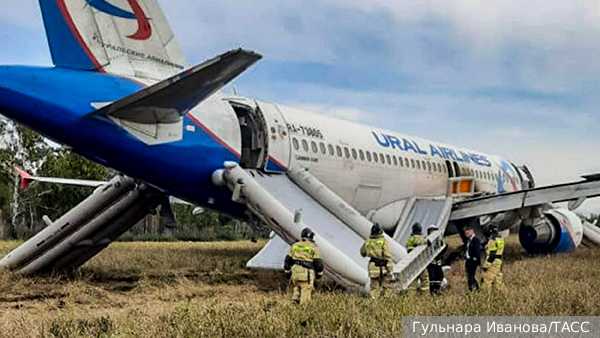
[278,144]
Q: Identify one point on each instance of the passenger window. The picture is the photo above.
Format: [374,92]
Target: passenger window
[375,157]
[418,165]
[305,145]
[295,143]
[323,150]
[428,166]
[339,151]
[354,155]
[401,161]
[412,163]
[406,163]
[382,158]
[313,144]
[369,156]
[346,152]
[362,155]
[395,161]
[331,152]
[389,160]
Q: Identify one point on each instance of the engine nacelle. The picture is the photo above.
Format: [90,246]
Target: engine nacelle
[559,230]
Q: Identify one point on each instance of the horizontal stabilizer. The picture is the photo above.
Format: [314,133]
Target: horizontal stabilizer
[166,101]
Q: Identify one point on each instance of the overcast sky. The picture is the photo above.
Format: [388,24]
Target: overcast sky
[518,78]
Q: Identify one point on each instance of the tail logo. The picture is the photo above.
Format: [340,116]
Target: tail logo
[144,30]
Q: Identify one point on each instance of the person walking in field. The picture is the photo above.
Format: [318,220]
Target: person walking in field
[492,273]
[472,258]
[304,264]
[377,249]
[413,241]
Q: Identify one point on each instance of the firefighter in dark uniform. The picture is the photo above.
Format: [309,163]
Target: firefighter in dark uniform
[416,239]
[305,264]
[434,269]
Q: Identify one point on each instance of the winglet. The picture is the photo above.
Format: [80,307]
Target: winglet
[26,178]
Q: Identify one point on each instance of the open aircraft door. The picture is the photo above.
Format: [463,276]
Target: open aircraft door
[279,145]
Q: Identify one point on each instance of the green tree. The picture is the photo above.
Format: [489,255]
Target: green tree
[19,147]
[54,200]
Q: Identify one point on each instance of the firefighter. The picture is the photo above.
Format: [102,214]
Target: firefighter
[377,249]
[304,264]
[434,269]
[413,241]
[492,273]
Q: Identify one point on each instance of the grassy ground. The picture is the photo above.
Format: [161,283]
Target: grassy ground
[203,290]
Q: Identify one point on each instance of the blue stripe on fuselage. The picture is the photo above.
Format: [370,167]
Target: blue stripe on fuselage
[56,102]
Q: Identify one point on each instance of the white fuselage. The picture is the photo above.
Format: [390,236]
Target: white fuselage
[366,166]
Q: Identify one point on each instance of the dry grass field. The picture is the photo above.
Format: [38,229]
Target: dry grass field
[204,290]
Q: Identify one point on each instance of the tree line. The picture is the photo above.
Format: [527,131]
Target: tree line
[21,211]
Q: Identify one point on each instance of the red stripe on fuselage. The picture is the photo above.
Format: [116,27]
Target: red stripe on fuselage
[277,163]
[213,135]
[69,21]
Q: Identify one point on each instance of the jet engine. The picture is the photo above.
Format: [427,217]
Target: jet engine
[558,230]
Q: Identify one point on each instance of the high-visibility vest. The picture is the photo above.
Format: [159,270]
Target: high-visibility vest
[413,241]
[304,251]
[376,248]
[495,247]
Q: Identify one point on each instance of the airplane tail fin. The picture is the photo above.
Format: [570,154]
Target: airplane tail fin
[124,37]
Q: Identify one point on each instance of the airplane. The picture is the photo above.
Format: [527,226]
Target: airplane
[121,94]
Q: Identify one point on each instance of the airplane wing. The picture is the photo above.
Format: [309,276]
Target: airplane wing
[573,192]
[27,179]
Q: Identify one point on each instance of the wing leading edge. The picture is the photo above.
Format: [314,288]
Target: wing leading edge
[575,191]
